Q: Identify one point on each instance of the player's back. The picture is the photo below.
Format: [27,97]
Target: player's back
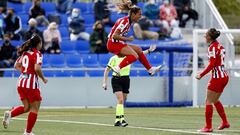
[123,24]
[28,78]
[28,61]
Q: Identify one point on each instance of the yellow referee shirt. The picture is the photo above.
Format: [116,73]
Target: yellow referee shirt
[115,61]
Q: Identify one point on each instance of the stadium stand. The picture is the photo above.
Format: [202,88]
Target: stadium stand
[75,54]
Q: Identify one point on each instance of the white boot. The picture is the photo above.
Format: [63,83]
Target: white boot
[154,70]
[6,119]
[25,133]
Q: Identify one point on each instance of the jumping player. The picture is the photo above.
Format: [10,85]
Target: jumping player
[120,85]
[219,80]
[116,43]
[29,64]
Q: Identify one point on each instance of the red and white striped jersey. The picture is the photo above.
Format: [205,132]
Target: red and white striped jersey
[216,54]
[28,78]
[122,24]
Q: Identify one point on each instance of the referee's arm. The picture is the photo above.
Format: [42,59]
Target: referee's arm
[105,77]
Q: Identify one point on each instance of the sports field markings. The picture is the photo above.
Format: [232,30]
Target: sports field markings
[109,125]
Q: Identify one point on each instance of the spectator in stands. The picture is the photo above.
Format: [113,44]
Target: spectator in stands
[102,13]
[168,15]
[7,53]
[141,29]
[151,10]
[3,6]
[13,24]
[64,6]
[98,39]
[52,39]
[184,7]
[37,12]
[76,26]
[32,30]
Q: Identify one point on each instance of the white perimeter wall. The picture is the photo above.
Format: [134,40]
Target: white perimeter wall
[88,91]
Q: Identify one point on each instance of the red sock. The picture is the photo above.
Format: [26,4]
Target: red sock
[17,111]
[144,61]
[208,116]
[32,117]
[219,107]
[127,60]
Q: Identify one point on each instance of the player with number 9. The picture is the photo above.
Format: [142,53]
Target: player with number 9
[29,64]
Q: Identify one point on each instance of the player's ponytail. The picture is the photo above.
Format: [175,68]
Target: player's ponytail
[29,44]
[213,33]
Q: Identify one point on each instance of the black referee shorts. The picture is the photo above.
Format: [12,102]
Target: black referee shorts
[121,84]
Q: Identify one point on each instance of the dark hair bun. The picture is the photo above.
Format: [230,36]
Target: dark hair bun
[213,33]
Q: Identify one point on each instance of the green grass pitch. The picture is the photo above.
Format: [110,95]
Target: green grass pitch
[142,121]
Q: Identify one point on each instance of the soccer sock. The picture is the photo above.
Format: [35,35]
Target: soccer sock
[219,107]
[208,116]
[32,117]
[127,60]
[144,61]
[122,112]
[119,110]
[17,111]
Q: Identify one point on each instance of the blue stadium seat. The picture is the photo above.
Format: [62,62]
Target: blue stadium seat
[156,59]
[49,73]
[81,5]
[78,73]
[108,29]
[64,32]
[16,43]
[64,20]
[63,73]
[24,18]
[137,64]
[27,7]
[8,74]
[57,60]
[140,4]
[89,19]
[16,6]
[49,7]
[90,7]
[89,30]
[90,60]
[16,73]
[134,73]
[74,60]
[46,62]
[104,58]
[130,32]
[68,47]
[116,16]
[143,73]
[95,73]
[82,46]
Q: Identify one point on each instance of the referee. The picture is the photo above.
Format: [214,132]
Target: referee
[120,85]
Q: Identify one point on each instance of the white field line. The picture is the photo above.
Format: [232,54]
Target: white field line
[109,125]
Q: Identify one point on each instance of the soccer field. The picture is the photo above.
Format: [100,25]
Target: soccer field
[142,121]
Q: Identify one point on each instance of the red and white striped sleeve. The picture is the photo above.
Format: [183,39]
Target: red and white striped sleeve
[212,60]
[122,25]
